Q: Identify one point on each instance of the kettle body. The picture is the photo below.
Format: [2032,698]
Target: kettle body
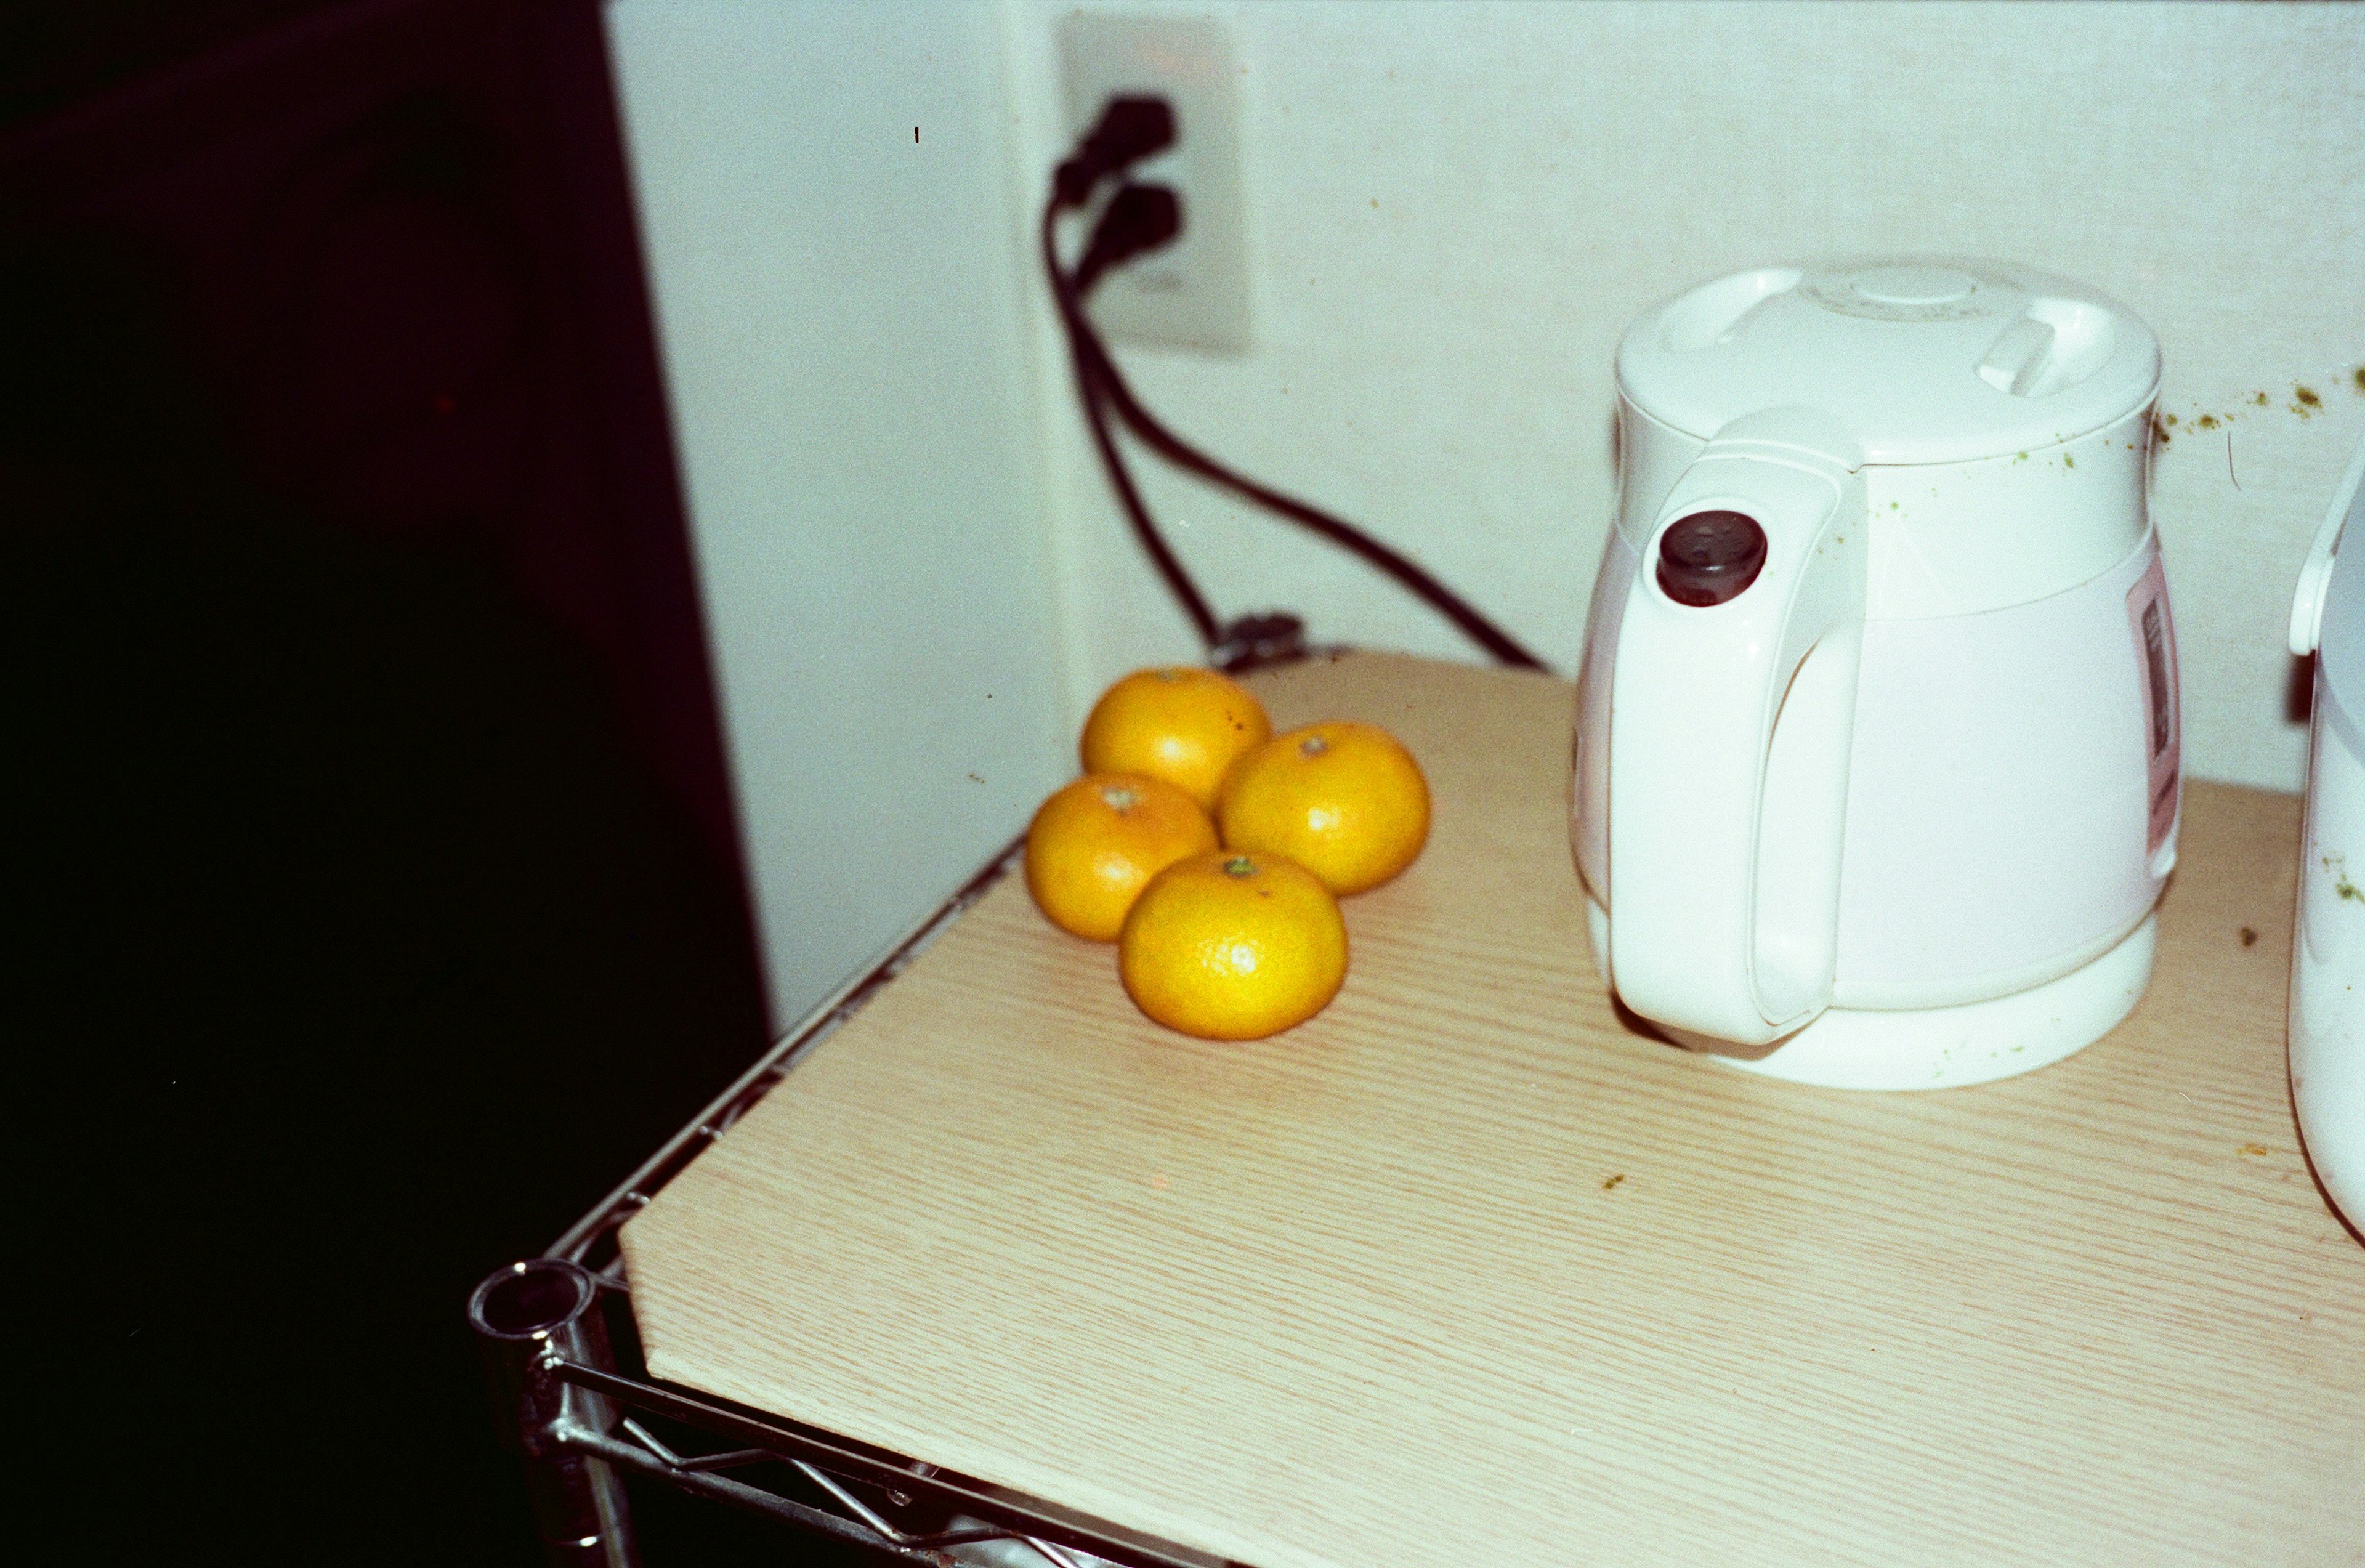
[1893,812]
[2327,980]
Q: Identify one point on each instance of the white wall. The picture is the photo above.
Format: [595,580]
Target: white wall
[839,308]
[1453,210]
[1456,209]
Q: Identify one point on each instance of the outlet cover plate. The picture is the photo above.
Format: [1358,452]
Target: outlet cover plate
[1192,293]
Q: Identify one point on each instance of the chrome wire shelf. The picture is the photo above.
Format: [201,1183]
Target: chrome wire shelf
[578,1420]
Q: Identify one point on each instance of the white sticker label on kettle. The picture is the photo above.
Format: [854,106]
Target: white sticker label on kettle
[2156,657]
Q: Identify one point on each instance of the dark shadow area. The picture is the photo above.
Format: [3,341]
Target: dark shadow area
[2299,689]
[374,901]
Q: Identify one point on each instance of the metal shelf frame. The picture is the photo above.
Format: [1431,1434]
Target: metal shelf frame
[578,1418]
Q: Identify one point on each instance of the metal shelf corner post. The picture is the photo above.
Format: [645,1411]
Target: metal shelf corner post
[531,1319]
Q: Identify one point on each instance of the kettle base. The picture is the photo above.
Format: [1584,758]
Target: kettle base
[1943,1047]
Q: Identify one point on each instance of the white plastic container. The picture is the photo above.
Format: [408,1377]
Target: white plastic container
[1896,816]
[2327,988]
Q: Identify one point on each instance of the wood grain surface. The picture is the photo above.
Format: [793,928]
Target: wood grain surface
[1465,1271]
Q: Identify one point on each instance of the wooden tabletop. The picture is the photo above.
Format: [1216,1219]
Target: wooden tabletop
[1464,1271]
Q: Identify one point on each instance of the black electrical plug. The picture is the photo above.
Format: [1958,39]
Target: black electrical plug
[1137,219]
[1275,637]
[1131,128]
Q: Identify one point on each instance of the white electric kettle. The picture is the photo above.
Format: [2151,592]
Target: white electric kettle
[1877,763]
[2327,981]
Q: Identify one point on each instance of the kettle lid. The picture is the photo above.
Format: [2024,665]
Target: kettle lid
[1926,359]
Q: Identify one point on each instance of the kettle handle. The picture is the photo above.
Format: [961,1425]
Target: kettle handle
[2316,573]
[1730,722]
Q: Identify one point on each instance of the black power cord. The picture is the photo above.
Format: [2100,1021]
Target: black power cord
[1138,219]
[1179,581]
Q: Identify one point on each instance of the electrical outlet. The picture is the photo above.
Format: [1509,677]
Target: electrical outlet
[1193,293]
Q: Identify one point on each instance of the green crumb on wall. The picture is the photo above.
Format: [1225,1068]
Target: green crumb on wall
[2260,399]
[2067,461]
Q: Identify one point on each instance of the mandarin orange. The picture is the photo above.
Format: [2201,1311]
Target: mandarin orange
[1182,724]
[1231,946]
[1345,801]
[1096,843]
